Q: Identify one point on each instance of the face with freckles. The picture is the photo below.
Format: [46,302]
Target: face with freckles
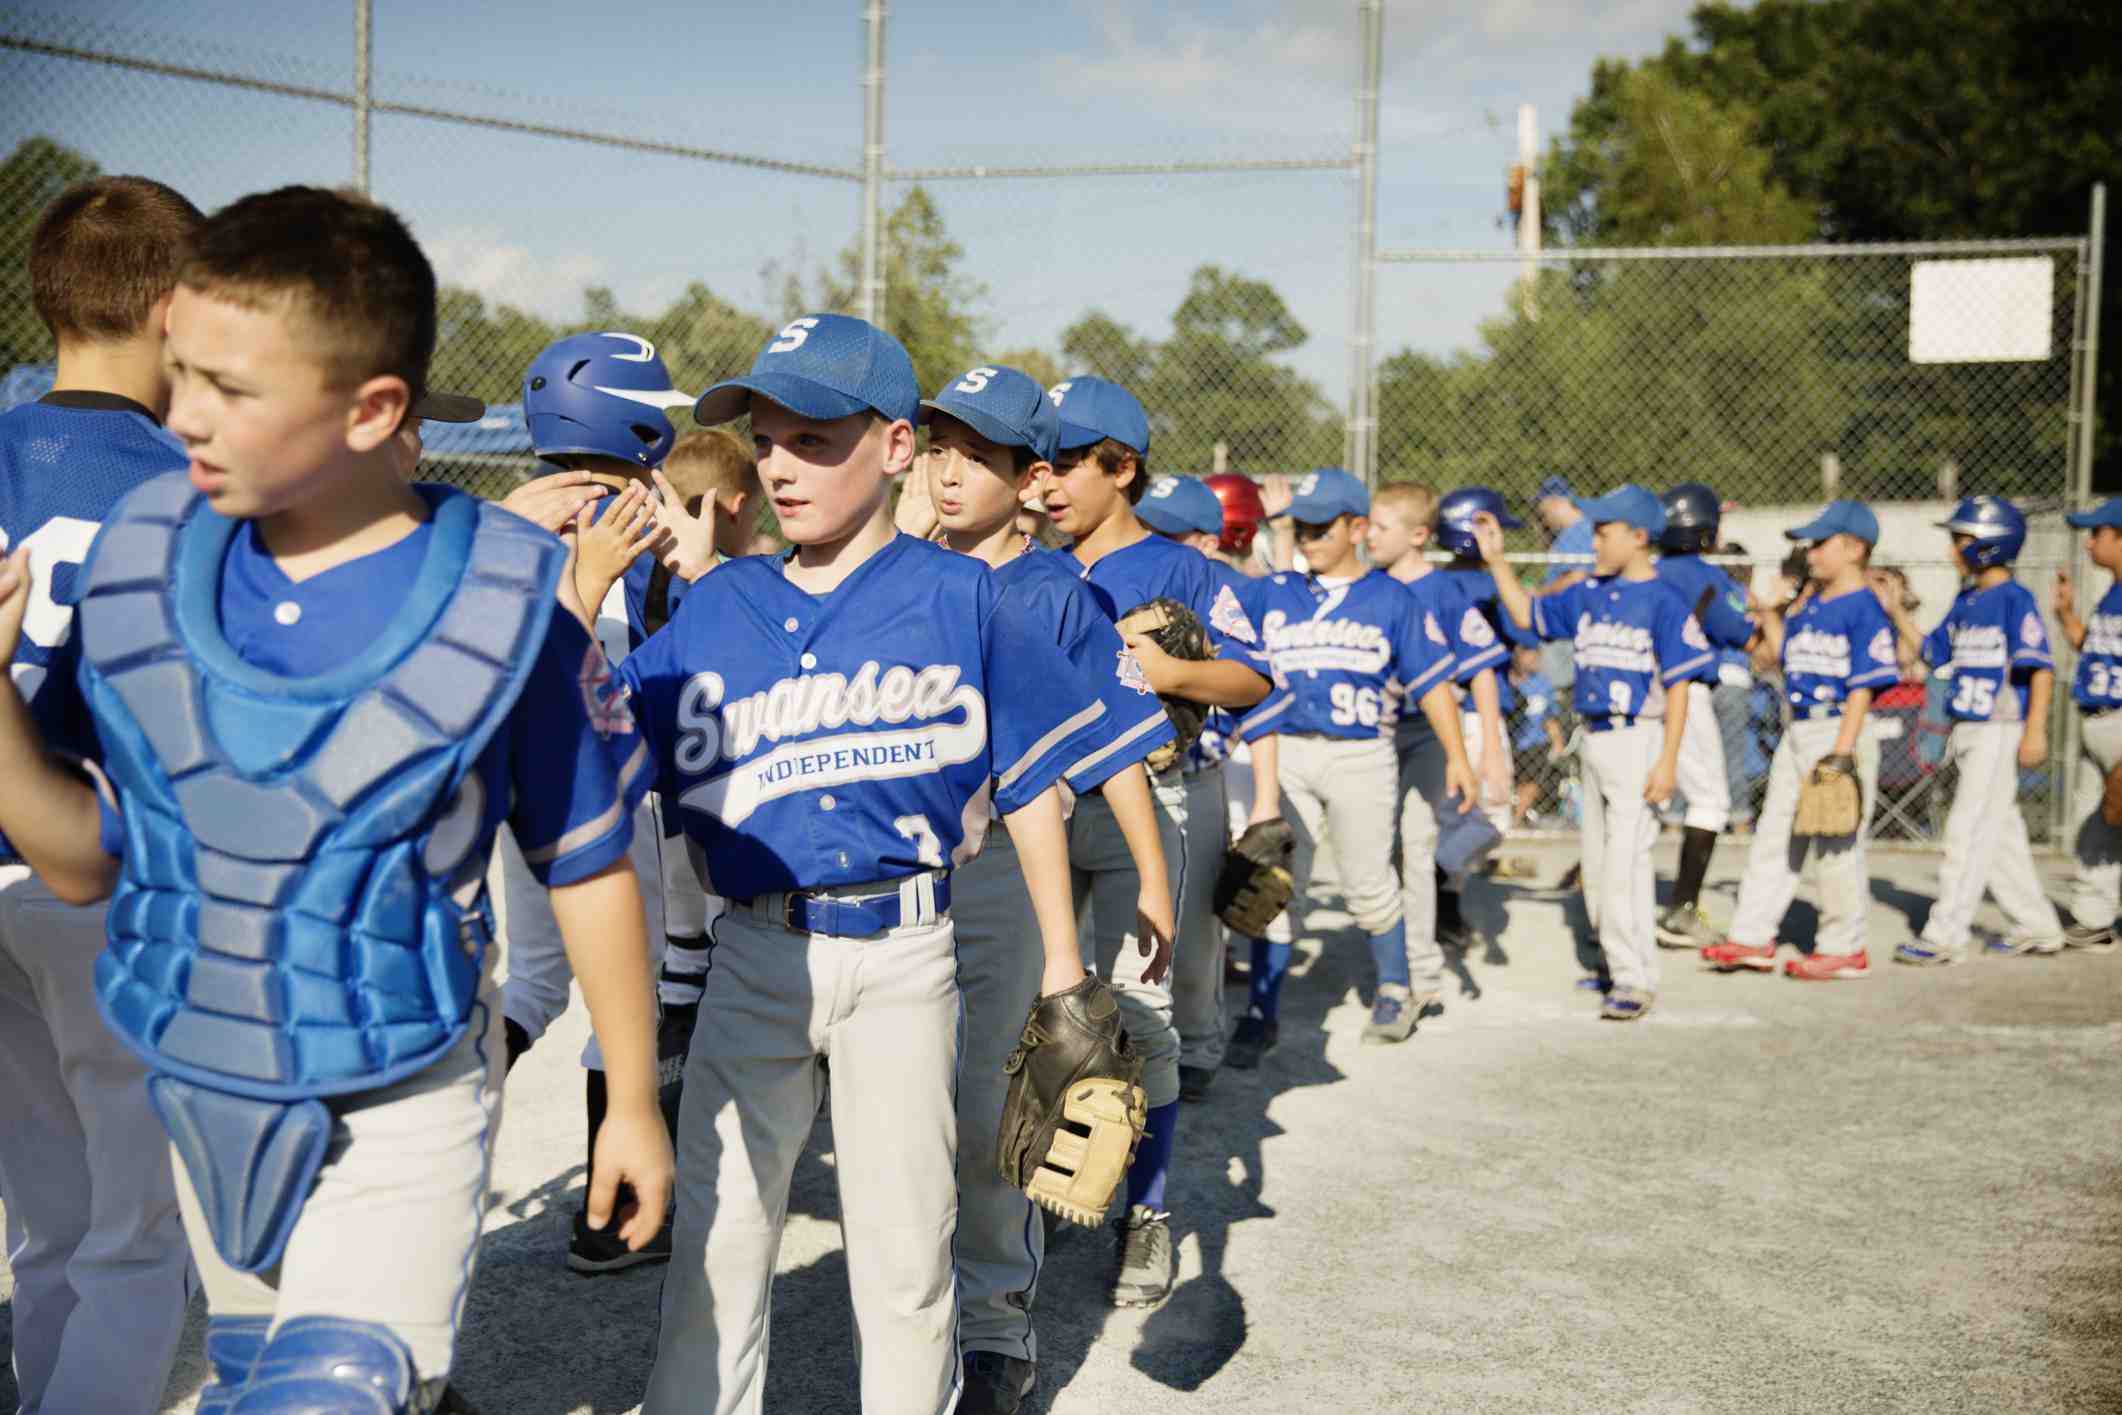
[267,425]
[825,479]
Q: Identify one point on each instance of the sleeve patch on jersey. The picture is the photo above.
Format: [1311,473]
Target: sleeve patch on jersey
[1691,633]
[1475,630]
[1882,646]
[2030,633]
[1129,671]
[1433,631]
[604,696]
[1227,616]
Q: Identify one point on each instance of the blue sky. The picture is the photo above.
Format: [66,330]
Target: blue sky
[530,221]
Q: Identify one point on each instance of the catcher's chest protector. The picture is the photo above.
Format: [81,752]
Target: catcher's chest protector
[301,910]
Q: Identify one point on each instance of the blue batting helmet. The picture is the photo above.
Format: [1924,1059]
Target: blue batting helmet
[1998,528]
[1456,512]
[1692,512]
[606,395]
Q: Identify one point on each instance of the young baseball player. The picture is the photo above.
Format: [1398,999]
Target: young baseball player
[837,727]
[2096,880]
[94,1241]
[1101,471]
[1351,650]
[1537,740]
[1837,650]
[1398,537]
[1995,648]
[597,403]
[1187,510]
[990,440]
[317,690]
[1693,513]
[1634,640]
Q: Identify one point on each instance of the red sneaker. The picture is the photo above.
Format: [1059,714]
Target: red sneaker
[1727,957]
[1828,967]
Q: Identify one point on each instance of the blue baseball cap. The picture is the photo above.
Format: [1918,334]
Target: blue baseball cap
[1553,486]
[1629,504]
[1845,518]
[822,366]
[1093,409]
[1178,505]
[1004,406]
[1326,493]
[2107,513]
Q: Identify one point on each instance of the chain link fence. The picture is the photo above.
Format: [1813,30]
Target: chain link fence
[1904,376]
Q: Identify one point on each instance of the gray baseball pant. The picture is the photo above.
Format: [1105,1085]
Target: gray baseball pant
[1620,829]
[779,1006]
[98,1253]
[1106,888]
[1422,804]
[2096,875]
[1776,859]
[1986,842]
[1197,952]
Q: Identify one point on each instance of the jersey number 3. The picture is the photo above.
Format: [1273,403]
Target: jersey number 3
[928,849]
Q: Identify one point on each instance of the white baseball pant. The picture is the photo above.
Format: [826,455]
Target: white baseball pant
[1000,1243]
[1422,804]
[1776,859]
[1620,829]
[2096,874]
[390,1230]
[1197,951]
[1700,776]
[1499,813]
[1106,888]
[1344,792]
[1986,842]
[100,1263]
[883,1012]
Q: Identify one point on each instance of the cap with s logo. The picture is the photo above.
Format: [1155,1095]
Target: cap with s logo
[1006,407]
[823,367]
[1179,505]
[1093,409]
[1326,493]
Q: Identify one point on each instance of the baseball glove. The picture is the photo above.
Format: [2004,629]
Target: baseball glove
[1830,799]
[1075,1110]
[1178,632]
[1255,884]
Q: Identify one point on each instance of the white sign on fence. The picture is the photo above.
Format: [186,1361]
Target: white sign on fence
[1981,311]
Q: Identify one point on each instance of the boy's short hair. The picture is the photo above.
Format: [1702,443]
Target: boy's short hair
[1417,499]
[348,263]
[710,461]
[104,252]
[1110,454]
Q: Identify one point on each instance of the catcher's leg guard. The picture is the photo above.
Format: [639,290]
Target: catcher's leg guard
[251,1162]
[232,1347]
[330,1366]
[1087,1159]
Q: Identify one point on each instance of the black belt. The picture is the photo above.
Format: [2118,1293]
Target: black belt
[846,916]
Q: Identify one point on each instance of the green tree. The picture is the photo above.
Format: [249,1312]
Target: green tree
[929,302]
[33,174]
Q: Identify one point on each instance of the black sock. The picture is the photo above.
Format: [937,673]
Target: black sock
[1695,847]
[594,1103]
[1449,917]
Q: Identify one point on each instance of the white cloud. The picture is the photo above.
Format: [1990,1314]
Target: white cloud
[505,272]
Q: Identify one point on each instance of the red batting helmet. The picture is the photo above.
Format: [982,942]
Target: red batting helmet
[1243,510]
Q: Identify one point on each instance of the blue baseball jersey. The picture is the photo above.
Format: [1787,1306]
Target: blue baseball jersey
[1043,594]
[65,461]
[1347,652]
[1222,728]
[1482,630]
[1833,647]
[1633,639]
[565,771]
[1723,614]
[1536,702]
[1156,568]
[857,736]
[2099,680]
[1993,640]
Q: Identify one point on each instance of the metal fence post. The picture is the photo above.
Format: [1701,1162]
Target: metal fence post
[2079,493]
[1363,362]
[364,28]
[873,165]
[2087,407]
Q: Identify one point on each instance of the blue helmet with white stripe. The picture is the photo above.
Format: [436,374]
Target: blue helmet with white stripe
[1998,528]
[1456,512]
[605,395]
